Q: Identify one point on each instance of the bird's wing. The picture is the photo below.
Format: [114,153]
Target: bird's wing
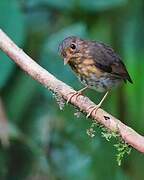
[107,60]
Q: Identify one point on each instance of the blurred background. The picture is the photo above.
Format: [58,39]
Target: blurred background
[44,141]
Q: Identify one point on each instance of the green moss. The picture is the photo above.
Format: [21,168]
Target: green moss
[121,146]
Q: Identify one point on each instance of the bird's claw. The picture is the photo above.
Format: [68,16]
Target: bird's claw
[93,109]
[73,94]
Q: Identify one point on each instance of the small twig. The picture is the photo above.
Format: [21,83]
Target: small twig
[49,81]
[4,127]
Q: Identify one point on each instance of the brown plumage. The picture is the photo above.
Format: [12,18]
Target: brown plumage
[96,64]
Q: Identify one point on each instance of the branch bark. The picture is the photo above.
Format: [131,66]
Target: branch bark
[38,73]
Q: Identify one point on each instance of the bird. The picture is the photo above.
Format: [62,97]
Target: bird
[96,65]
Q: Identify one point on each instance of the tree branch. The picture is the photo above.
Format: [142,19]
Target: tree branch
[49,81]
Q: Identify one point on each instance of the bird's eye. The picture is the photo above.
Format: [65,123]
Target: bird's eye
[73,46]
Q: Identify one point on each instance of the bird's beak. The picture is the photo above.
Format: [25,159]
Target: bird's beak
[66,60]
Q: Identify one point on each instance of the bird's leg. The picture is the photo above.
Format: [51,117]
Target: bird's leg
[95,108]
[78,93]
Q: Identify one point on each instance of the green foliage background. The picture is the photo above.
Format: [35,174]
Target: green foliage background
[46,143]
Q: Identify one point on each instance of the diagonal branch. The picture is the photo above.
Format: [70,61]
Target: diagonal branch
[49,81]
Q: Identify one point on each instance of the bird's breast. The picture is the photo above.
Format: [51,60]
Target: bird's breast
[92,76]
[85,68]
[100,84]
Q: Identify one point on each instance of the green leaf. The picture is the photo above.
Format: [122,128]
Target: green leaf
[20,96]
[132,44]
[101,5]
[101,31]
[12,22]
[59,4]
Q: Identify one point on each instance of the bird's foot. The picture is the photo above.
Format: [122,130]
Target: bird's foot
[93,109]
[76,94]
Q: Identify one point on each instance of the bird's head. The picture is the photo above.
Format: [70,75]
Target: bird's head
[70,48]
